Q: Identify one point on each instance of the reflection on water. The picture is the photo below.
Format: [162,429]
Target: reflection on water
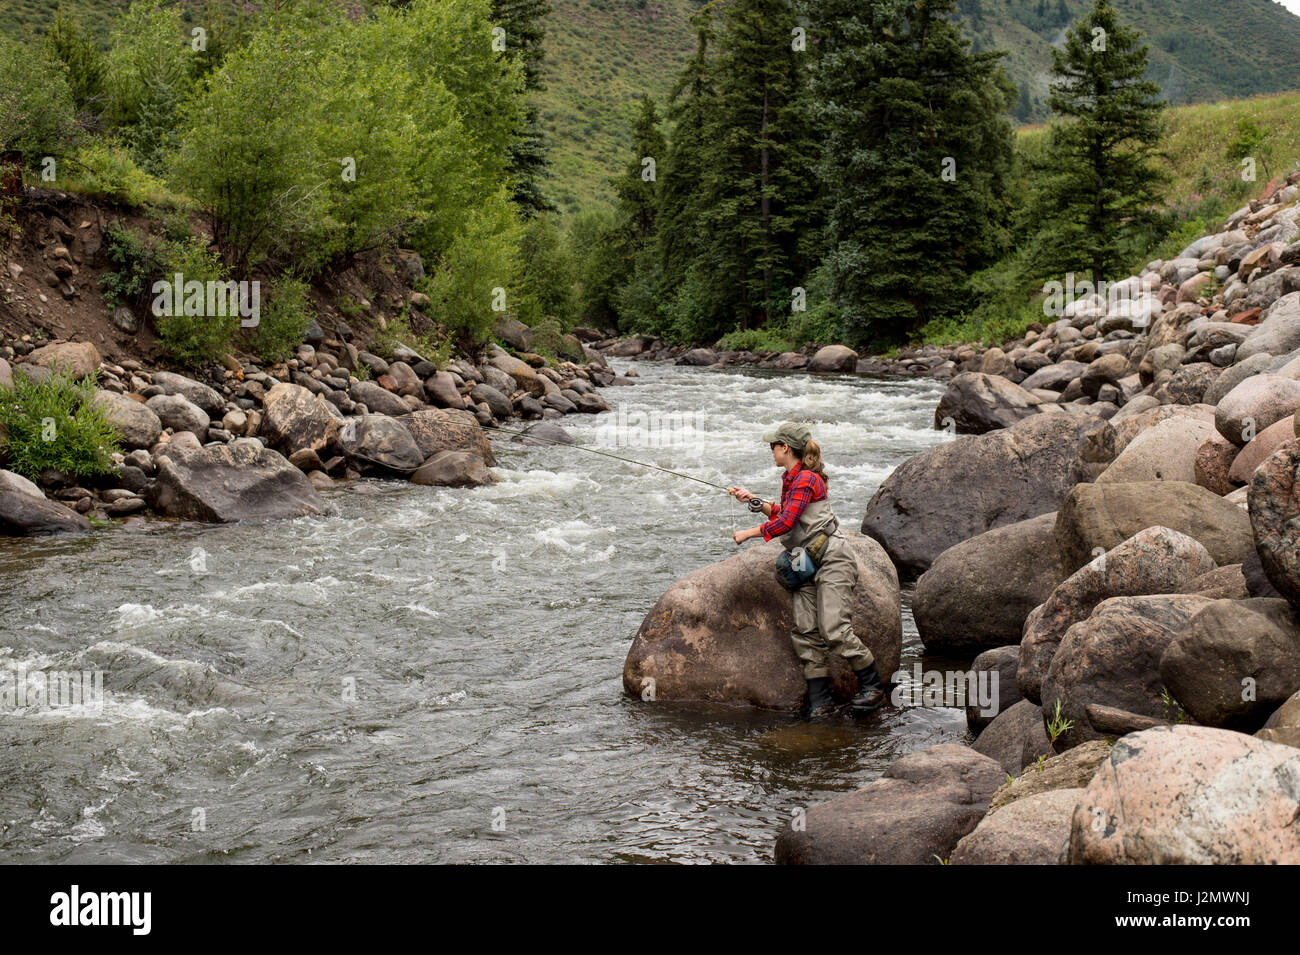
[434,675]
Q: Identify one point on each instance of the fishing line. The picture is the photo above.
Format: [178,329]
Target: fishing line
[755,504]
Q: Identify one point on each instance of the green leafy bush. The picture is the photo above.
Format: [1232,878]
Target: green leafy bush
[148,78]
[51,424]
[105,170]
[480,260]
[322,137]
[755,339]
[194,339]
[285,317]
[136,266]
[67,43]
[36,111]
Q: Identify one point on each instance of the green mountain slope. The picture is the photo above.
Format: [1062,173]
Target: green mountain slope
[602,55]
[1201,50]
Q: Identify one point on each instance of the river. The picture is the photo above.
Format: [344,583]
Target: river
[434,675]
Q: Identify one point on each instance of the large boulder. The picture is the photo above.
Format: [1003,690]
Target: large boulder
[76,359]
[1072,769]
[225,483]
[1002,661]
[195,392]
[498,403]
[977,594]
[722,633]
[514,333]
[976,403]
[1164,452]
[1108,440]
[1235,662]
[1265,445]
[379,401]
[1284,725]
[1190,795]
[380,441]
[1212,467]
[293,418]
[1155,560]
[698,356]
[132,419]
[1015,738]
[453,469]
[1029,831]
[1054,377]
[180,414]
[1274,505]
[522,372]
[1253,405]
[1004,477]
[24,510]
[1112,659]
[1096,517]
[1235,375]
[834,358]
[914,814]
[1278,331]
[440,389]
[448,430]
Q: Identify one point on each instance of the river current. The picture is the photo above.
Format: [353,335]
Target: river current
[433,674]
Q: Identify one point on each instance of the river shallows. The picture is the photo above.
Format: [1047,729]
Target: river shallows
[484,633]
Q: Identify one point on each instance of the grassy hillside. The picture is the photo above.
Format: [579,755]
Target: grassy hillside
[1201,50]
[604,54]
[1196,143]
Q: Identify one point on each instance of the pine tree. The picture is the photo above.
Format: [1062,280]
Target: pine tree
[524,23]
[67,43]
[1098,180]
[917,153]
[681,196]
[638,188]
[759,190]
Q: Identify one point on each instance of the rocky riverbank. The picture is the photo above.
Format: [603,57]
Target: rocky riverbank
[1112,531]
[259,443]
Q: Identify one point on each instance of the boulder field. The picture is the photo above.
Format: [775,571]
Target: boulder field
[1114,530]
[257,444]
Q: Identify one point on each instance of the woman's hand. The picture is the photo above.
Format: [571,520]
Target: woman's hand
[740,494]
[741,536]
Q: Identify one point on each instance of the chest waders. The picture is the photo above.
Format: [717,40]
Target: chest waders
[823,611]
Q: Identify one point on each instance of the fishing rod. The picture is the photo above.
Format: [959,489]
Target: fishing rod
[755,504]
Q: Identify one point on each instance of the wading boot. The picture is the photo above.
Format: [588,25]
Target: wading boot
[871,691]
[820,701]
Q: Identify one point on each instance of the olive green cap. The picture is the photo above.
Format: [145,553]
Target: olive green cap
[791,433]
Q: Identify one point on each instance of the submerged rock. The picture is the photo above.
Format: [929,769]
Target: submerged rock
[914,814]
[24,510]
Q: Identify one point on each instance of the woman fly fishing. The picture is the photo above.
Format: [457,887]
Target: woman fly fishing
[819,568]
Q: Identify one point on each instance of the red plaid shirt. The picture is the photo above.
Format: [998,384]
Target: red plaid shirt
[799,488]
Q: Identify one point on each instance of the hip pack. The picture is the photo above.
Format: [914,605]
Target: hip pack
[796,567]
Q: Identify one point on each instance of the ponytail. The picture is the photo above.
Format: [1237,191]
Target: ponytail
[811,456]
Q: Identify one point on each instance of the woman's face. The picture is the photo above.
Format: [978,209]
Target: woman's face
[782,455]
